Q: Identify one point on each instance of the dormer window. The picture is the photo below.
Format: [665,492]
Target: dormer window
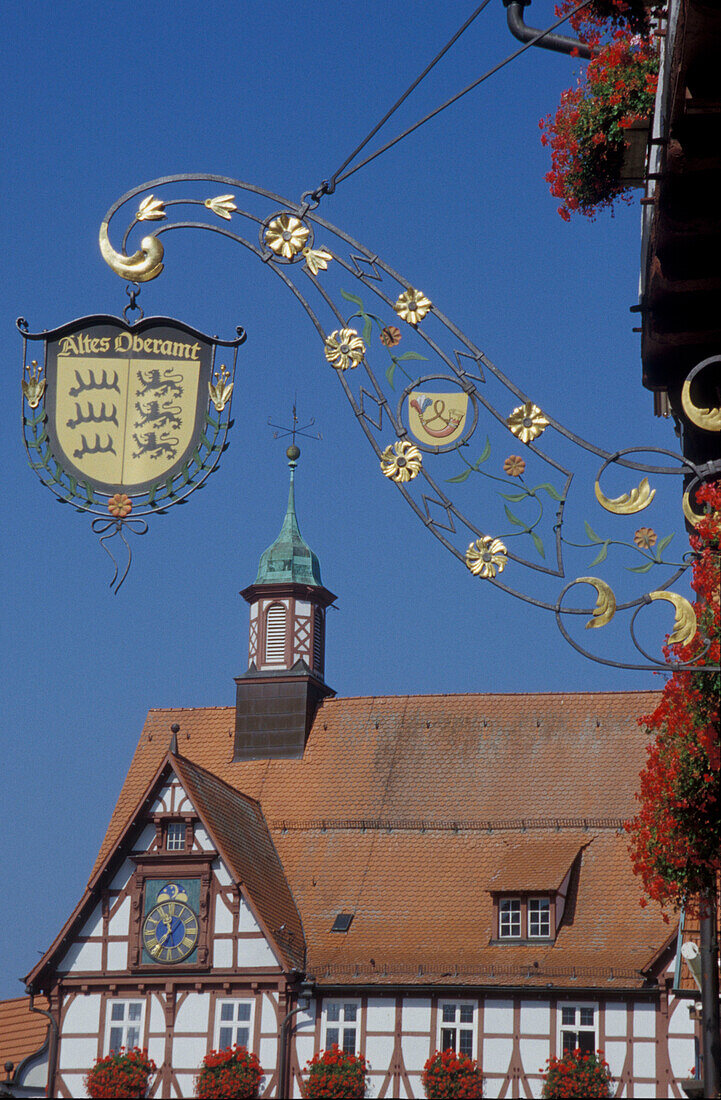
[525,918]
[539,918]
[529,889]
[509,918]
[175,836]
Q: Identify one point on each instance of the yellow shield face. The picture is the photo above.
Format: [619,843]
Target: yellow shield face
[125,408]
[437,419]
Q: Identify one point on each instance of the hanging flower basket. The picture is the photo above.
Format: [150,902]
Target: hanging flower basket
[597,122]
[228,1074]
[577,1075]
[334,1073]
[450,1075]
[125,1074]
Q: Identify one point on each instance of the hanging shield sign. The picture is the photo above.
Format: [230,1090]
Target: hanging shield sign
[437,418]
[126,404]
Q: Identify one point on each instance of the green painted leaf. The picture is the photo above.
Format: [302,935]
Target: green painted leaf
[513,519]
[391,370]
[169,486]
[352,298]
[367,330]
[551,490]
[591,533]
[513,496]
[484,453]
[538,544]
[412,355]
[662,544]
[640,568]
[460,477]
[601,555]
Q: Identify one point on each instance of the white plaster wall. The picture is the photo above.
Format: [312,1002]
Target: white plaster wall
[246,920]
[644,1021]
[535,1018]
[119,923]
[35,1074]
[615,1053]
[163,801]
[83,1014]
[223,954]
[156,1050]
[268,1015]
[381,1014]
[77,1054]
[253,953]
[490,1088]
[223,916]
[534,1053]
[416,1087]
[94,924]
[117,956]
[188,1053]
[615,1018]
[192,1015]
[374,1085]
[186,1083]
[415,1052]
[496,1055]
[682,1056]
[145,839]
[302,607]
[641,1090]
[82,956]
[122,876]
[74,1083]
[379,1051]
[644,1059]
[498,1016]
[157,1017]
[305,1033]
[221,873]
[680,1019]
[201,835]
[268,1053]
[416,1014]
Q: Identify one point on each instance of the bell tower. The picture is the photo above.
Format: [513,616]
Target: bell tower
[277,696]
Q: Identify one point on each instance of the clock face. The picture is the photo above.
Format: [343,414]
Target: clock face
[170,932]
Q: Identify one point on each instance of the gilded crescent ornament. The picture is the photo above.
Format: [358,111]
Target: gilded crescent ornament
[684,624]
[693,517]
[627,503]
[708,419]
[605,607]
[141,267]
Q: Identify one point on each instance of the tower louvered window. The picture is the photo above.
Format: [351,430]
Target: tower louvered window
[275,621]
[318,640]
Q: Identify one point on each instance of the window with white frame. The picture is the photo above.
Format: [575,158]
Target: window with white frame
[175,836]
[233,1023]
[509,918]
[341,1021]
[539,917]
[578,1027]
[457,1026]
[124,1027]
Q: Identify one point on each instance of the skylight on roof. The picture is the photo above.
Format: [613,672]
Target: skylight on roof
[342,922]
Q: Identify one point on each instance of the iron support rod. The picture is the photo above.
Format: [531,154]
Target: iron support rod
[710,1000]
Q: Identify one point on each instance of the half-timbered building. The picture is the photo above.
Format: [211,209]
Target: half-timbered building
[395,874]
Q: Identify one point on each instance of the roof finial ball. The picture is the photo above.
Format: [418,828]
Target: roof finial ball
[293,454]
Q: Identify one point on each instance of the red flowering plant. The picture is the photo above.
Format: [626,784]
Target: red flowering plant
[122,1073]
[335,1073]
[587,135]
[233,1072]
[577,1074]
[675,837]
[447,1074]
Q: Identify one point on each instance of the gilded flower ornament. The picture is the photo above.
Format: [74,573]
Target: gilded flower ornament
[222,205]
[412,306]
[514,465]
[221,389]
[527,422]
[34,386]
[645,538]
[316,259]
[286,236]
[344,348]
[151,210]
[487,556]
[390,336]
[120,505]
[401,461]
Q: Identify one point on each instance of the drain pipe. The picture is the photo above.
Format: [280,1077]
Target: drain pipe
[304,996]
[53,1035]
[557,42]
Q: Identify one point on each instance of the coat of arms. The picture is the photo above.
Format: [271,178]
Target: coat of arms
[125,418]
[437,418]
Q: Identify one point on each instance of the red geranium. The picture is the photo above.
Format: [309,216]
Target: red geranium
[675,837]
[577,1074]
[230,1073]
[123,1073]
[335,1073]
[449,1075]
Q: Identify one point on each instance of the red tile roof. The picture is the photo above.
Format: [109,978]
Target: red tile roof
[404,808]
[22,1032]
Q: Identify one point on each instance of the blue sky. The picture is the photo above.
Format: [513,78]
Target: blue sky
[100,97]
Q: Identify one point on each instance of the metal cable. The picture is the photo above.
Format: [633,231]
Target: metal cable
[327,187]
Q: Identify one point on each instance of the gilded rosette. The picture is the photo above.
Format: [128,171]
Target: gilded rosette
[487,556]
[412,306]
[401,461]
[344,348]
[527,422]
[286,236]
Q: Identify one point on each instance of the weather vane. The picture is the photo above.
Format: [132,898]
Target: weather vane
[282,431]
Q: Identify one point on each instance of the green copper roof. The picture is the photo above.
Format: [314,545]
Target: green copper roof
[289,558]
